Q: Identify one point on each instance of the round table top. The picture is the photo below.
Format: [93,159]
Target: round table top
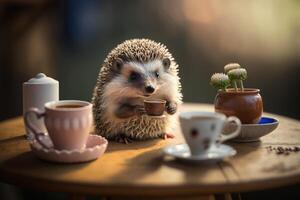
[139,168]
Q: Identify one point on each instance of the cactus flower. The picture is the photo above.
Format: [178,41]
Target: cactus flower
[231,66]
[220,81]
[239,74]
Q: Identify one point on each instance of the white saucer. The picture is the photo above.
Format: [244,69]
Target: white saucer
[215,153]
[95,147]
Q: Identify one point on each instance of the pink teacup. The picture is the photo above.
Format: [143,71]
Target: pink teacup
[68,123]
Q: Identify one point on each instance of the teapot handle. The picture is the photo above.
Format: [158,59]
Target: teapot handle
[37,134]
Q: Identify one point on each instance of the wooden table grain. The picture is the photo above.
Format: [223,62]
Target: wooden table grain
[140,169]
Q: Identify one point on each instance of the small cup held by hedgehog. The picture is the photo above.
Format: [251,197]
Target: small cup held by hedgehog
[155,107]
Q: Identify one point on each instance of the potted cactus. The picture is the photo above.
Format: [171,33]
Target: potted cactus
[233,99]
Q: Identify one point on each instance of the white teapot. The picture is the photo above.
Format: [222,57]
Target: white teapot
[36,92]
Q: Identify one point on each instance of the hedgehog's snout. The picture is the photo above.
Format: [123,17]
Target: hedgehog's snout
[149,89]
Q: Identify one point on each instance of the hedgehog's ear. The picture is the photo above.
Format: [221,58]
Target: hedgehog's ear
[118,64]
[166,63]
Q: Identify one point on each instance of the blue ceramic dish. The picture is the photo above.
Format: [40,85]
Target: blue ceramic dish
[267,121]
[252,132]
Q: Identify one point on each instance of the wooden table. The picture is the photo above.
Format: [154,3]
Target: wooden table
[139,168]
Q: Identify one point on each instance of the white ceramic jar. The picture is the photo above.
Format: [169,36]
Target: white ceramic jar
[36,92]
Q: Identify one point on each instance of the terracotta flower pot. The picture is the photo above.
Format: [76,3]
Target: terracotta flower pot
[247,105]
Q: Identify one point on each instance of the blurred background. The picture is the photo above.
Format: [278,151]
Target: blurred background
[68,40]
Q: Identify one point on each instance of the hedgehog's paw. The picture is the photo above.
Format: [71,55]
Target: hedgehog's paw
[168,136]
[171,108]
[122,138]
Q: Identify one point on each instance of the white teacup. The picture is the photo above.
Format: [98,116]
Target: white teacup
[201,130]
[68,123]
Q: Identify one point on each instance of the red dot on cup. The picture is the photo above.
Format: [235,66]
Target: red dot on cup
[194,133]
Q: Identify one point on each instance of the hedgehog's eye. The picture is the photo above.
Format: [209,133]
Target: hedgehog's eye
[156,73]
[134,76]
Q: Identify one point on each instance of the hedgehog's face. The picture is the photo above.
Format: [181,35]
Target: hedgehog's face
[144,79]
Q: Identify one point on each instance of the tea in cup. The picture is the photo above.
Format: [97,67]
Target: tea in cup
[68,123]
[202,130]
[155,107]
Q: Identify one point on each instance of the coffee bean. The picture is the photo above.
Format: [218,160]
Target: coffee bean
[283,150]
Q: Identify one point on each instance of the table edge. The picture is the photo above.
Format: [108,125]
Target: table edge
[151,190]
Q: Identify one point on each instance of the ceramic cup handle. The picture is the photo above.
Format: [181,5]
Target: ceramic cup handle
[234,133]
[37,134]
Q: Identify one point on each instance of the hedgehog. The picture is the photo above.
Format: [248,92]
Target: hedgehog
[134,71]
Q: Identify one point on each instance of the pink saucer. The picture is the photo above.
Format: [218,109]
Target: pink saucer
[95,147]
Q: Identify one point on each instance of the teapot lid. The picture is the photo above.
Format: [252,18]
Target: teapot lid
[41,78]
